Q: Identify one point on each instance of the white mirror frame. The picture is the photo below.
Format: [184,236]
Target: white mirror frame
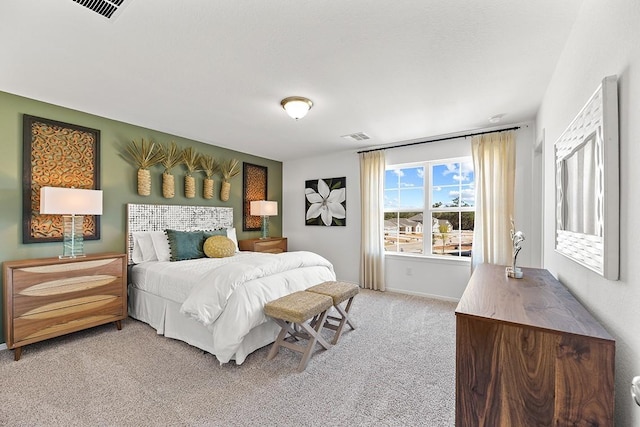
[599,251]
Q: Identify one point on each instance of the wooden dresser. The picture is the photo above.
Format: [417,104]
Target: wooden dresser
[528,354]
[272,245]
[48,297]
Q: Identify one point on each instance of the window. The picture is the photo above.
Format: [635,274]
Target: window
[441,191]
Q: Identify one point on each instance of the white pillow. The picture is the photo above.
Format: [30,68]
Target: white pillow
[231,234]
[143,249]
[161,245]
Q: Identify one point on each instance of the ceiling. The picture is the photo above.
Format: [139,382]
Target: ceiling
[216,70]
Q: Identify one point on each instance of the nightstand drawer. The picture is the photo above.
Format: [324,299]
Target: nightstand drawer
[272,245]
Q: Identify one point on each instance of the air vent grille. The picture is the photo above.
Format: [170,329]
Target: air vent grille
[106,8]
[358,136]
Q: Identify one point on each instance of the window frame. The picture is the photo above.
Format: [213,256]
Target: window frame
[428,210]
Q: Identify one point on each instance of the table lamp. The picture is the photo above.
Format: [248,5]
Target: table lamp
[265,209]
[72,204]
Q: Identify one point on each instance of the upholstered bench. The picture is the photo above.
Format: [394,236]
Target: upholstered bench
[339,292]
[292,312]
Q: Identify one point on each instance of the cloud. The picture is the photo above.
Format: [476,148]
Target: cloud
[461,171]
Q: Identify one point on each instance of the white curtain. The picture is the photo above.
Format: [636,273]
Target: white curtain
[372,169]
[494,161]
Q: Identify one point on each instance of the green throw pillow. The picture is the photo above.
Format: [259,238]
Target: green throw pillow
[185,244]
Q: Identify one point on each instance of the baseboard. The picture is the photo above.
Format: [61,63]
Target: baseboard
[422,294]
[3,346]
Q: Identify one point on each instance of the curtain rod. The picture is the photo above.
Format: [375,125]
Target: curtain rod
[439,139]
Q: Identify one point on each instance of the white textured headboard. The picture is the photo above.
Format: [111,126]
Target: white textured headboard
[176,217]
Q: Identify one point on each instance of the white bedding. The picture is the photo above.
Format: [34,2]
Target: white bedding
[227,295]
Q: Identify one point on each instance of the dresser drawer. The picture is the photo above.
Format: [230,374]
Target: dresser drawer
[77,314]
[44,298]
[65,277]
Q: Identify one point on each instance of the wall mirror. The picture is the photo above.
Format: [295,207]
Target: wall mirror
[587,184]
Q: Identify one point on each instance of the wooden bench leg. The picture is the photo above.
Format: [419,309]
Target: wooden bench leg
[302,330]
[17,353]
[285,328]
[314,336]
[345,319]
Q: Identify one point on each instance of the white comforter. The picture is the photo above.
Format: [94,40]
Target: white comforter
[229,298]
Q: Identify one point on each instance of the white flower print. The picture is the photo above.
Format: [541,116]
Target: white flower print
[326,204]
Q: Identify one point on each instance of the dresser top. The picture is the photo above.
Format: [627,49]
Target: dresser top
[537,300]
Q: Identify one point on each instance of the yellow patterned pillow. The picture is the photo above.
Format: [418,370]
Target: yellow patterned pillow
[219,247]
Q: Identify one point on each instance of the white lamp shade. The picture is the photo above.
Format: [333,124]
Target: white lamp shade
[296,106]
[264,208]
[70,201]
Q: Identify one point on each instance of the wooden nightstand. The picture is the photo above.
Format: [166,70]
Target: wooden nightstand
[49,297]
[273,245]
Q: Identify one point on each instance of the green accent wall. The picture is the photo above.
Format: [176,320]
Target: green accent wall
[117,179]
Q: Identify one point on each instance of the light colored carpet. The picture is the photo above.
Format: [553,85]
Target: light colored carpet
[396,369]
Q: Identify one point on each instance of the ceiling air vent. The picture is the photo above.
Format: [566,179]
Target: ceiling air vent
[110,9]
[358,136]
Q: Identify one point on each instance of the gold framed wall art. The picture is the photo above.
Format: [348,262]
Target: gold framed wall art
[56,154]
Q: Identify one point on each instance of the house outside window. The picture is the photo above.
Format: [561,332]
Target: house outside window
[441,191]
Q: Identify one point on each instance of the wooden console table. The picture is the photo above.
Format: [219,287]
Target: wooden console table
[528,354]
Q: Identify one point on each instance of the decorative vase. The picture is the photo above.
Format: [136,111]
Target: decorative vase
[168,186]
[225,190]
[144,182]
[207,188]
[189,187]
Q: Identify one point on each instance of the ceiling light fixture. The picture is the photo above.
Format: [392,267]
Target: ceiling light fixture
[497,118]
[296,106]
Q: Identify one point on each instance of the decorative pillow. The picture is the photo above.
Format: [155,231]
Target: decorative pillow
[220,232]
[219,247]
[143,250]
[231,233]
[161,245]
[185,244]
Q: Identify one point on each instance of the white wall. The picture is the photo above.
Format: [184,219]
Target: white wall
[605,40]
[439,278]
[340,245]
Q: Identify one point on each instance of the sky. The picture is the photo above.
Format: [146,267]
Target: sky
[404,187]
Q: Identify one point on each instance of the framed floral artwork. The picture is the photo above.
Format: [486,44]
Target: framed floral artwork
[57,154]
[326,201]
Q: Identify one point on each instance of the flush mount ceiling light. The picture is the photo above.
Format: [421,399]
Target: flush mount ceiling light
[296,106]
[497,118]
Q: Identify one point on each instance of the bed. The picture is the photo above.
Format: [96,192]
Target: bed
[215,304]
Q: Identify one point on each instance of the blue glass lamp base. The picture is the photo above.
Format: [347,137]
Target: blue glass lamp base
[72,236]
[265,227]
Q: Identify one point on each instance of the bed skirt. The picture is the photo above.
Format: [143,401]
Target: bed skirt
[165,317]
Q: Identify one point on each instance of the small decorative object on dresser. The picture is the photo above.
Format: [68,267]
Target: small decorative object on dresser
[517,237]
[272,245]
[49,297]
